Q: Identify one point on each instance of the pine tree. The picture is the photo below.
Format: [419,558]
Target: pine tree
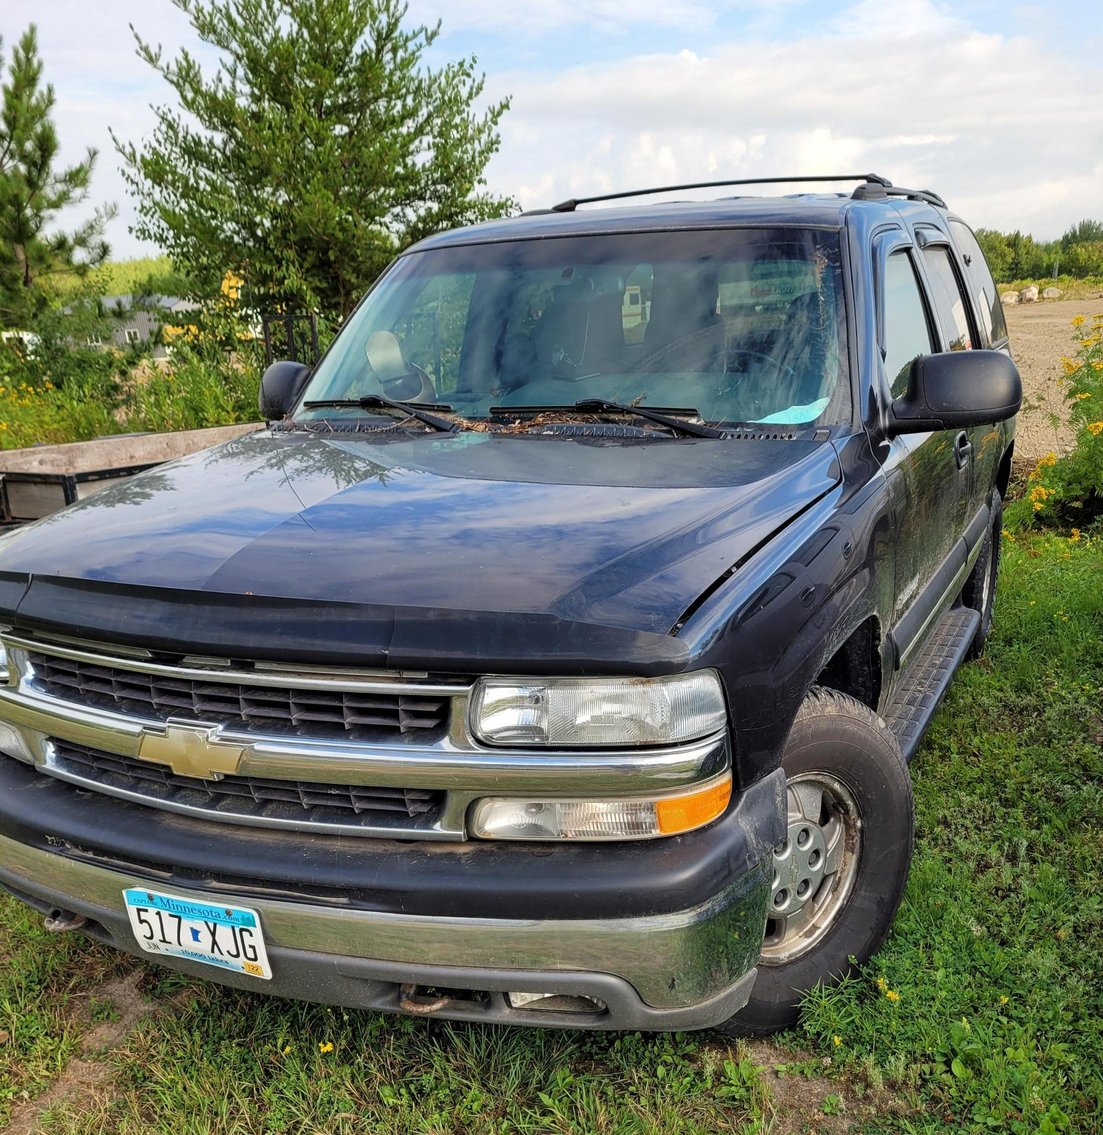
[319,147]
[33,192]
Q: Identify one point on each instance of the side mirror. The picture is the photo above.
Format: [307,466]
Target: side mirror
[957,389]
[280,387]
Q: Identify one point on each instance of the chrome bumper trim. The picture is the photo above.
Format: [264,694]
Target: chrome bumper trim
[672,961]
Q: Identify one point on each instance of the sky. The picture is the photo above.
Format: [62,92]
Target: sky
[996,106]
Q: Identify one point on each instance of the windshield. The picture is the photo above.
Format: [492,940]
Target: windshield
[740,325]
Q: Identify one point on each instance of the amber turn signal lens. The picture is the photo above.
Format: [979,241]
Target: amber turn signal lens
[684,813]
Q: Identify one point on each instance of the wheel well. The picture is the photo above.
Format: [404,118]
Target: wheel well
[855,668]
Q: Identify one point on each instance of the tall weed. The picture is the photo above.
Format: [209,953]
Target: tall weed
[1069,489]
[78,394]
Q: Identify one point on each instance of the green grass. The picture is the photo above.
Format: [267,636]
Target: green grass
[1071,287]
[995,954]
[994,963]
[45,986]
[122,277]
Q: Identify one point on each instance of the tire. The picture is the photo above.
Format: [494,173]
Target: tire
[849,846]
[979,591]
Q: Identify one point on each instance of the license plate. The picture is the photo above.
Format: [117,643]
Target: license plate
[229,937]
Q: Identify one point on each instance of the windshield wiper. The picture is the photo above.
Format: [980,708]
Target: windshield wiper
[379,402]
[590,405]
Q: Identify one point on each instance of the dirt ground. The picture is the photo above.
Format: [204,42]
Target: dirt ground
[1041,333]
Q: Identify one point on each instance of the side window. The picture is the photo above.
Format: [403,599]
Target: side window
[907,334]
[981,285]
[949,303]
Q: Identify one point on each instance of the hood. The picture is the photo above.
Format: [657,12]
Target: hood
[618,533]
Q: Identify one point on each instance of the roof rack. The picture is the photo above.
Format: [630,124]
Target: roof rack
[873,191]
[572,203]
[874,187]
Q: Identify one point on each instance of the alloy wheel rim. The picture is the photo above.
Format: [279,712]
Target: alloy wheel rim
[815,869]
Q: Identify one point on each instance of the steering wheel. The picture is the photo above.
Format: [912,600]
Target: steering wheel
[755,388]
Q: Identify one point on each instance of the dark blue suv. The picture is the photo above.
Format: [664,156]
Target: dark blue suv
[555,653]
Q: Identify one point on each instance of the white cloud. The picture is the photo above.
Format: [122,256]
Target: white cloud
[1007,130]
[922,99]
[601,16]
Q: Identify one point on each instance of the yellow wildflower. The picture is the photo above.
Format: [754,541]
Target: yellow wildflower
[1078,321]
[1039,493]
[1074,536]
[325,1046]
[1095,428]
[882,984]
[837,1040]
[892,995]
[1004,999]
[1071,366]
[286,1049]
[1081,396]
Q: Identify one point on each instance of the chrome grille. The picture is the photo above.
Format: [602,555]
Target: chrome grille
[247,797]
[315,712]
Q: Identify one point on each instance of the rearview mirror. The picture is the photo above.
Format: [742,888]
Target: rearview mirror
[280,388]
[957,389]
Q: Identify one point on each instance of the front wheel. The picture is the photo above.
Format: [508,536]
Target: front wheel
[839,876]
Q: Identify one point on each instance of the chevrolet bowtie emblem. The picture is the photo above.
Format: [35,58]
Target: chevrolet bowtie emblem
[191,749]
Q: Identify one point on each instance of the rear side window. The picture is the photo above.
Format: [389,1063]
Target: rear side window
[949,303]
[982,286]
[907,334]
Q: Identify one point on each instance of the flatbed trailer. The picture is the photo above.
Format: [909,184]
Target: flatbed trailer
[38,481]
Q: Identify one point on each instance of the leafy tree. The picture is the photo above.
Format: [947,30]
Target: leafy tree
[32,192]
[1084,258]
[318,148]
[997,251]
[1084,232]
[1013,256]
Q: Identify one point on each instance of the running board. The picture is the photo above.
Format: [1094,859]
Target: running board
[925,682]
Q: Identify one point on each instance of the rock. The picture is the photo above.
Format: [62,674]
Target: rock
[1029,294]
[1051,294]
[1010,298]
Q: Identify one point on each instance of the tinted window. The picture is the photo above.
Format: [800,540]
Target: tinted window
[906,332]
[949,303]
[981,285]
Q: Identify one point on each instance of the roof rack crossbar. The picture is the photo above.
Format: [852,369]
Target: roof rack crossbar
[572,203]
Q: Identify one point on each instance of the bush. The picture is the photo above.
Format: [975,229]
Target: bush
[81,394]
[1069,489]
[202,386]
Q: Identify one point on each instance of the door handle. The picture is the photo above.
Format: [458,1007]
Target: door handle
[963,449]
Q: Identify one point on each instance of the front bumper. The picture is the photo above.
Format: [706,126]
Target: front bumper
[675,949]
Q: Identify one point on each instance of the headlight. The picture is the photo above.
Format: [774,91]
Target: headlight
[503,818]
[598,711]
